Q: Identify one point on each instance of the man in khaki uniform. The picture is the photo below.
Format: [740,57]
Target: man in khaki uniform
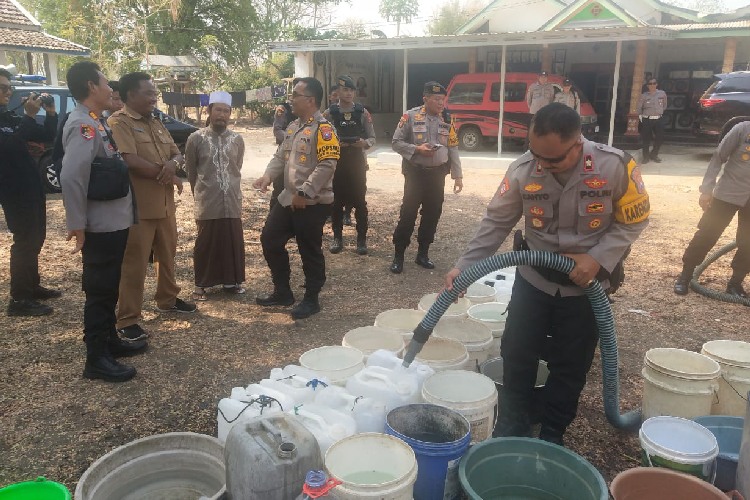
[580,199]
[568,96]
[152,158]
[651,106]
[540,93]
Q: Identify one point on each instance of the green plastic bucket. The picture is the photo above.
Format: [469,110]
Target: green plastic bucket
[679,444]
[39,489]
[512,467]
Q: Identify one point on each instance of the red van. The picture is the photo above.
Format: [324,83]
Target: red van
[474,103]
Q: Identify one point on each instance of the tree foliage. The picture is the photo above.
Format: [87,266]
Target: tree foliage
[399,11]
[451,16]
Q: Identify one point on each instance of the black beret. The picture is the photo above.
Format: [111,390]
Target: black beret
[346,81]
[434,88]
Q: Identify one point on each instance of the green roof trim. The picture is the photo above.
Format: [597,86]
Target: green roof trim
[578,11]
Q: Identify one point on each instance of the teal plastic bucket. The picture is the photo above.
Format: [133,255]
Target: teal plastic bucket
[679,444]
[439,437]
[513,467]
[39,489]
[728,433]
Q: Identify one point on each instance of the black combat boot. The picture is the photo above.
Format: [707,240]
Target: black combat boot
[397,266]
[422,257]
[28,307]
[734,287]
[337,245]
[101,365]
[551,435]
[361,245]
[281,296]
[682,285]
[307,307]
[645,157]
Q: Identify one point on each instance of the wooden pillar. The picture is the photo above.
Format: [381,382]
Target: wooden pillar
[639,69]
[730,49]
[473,60]
[546,58]
[30,62]
[50,68]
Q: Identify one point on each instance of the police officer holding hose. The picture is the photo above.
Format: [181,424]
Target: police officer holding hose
[586,201]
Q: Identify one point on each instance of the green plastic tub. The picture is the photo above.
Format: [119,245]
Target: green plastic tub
[39,489]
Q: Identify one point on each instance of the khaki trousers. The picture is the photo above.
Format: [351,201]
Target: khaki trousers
[161,236]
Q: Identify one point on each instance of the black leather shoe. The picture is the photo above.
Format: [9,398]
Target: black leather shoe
[337,245]
[682,285]
[121,348]
[736,290]
[644,161]
[108,369]
[42,293]
[397,266]
[361,246]
[306,308]
[656,159]
[28,308]
[424,261]
[551,436]
[277,298]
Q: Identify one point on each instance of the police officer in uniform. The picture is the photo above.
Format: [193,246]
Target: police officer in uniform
[283,116]
[578,198]
[100,228]
[307,159]
[356,134]
[651,106]
[540,93]
[720,201]
[427,141]
[568,96]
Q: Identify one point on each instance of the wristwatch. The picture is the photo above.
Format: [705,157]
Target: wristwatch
[302,194]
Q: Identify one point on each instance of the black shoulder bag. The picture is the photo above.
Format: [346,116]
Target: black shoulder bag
[109,179]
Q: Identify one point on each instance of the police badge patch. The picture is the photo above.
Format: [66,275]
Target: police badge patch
[504,187]
[87,131]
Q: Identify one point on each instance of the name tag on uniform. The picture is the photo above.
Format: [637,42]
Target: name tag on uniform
[420,128]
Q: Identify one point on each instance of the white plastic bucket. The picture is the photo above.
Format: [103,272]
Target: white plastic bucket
[458,309]
[471,394]
[476,337]
[372,465]
[402,320]
[337,363]
[369,339]
[679,383]
[479,293]
[679,444]
[444,354]
[733,357]
[493,316]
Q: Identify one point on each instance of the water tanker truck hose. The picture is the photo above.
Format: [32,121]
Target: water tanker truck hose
[725,297]
[599,304]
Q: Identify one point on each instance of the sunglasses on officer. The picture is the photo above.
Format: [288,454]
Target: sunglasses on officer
[651,83]
[556,159]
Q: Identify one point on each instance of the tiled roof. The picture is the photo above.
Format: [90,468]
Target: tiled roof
[36,41]
[708,26]
[12,14]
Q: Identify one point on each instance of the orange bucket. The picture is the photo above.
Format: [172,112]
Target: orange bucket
[654,483]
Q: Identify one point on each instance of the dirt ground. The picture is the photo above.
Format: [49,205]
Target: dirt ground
[54,423]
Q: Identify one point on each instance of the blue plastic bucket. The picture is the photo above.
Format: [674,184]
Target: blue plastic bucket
[39,489]
[439,437]
[728,432]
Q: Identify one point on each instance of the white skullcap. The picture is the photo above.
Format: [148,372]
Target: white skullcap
[220,97]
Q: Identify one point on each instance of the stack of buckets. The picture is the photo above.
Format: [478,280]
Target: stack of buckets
[693,406]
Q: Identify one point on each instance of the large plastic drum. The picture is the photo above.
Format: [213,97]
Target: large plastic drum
[369,339]
[337,363]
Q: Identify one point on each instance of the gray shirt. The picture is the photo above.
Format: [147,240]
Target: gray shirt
[418,127]
[213,163]
[307,157]
[652,103]
[601,210]
[539,96]
[570,99]
[84,139]
[733,151]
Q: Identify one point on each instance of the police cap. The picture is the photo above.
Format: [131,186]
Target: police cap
[542,73]
[567,82]
[434,88]
[346,81]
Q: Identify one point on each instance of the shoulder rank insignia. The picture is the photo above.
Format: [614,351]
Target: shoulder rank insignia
[532,188]
[87,131]
[403,120]
[595,182]
[588,163]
